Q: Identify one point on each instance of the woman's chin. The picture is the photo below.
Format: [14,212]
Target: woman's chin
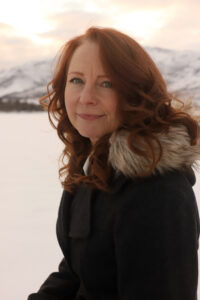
[91,136]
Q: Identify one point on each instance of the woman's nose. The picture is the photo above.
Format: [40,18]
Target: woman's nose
[88,95]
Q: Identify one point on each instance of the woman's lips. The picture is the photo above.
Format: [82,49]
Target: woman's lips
[90,117]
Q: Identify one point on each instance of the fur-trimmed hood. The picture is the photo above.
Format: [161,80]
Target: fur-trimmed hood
[177,153]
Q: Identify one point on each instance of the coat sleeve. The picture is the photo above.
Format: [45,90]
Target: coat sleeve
[61,285]
[156,242]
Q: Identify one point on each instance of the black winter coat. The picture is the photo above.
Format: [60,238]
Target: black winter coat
[138,243]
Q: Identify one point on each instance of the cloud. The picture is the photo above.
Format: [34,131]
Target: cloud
[16,49]
[105,6]
[181,19]
[128,5]
[6,30]
[71,23]
[182,30]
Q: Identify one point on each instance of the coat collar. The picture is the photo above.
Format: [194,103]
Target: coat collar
[178,154]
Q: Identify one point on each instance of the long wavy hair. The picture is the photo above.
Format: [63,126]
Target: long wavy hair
[139,84]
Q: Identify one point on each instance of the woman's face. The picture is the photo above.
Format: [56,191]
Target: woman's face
[90,99]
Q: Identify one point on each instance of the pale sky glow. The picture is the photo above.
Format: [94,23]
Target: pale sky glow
[26,17]
[131,23]
[36,29]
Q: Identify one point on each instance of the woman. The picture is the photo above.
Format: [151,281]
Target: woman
[128,222]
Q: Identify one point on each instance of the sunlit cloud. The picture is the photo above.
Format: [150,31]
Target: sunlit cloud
[16,49]
[63,30]
[74,22]
[131,23]
[37,28]
[25,16]
[182,30]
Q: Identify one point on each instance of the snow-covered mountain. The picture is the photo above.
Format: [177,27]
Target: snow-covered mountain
[181,70]
[27,82]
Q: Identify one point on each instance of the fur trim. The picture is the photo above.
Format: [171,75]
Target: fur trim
[177,153]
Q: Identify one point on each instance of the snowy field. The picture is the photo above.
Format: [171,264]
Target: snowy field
[30,194]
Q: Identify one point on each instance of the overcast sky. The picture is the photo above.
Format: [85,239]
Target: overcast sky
[36,29]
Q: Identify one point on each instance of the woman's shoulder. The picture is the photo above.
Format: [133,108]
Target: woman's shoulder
[174,188]
[158,200]
[173,179]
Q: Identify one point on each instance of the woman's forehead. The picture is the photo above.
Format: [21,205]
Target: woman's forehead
[86,56]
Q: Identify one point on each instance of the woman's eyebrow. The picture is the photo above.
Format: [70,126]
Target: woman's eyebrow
[74,72]
[80,73]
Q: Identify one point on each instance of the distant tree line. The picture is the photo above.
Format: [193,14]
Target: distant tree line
[17,105]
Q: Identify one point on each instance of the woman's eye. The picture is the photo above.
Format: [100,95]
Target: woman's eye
[107,84]
[76,80]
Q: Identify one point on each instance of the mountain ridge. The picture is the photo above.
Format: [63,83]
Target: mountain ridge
[27,82]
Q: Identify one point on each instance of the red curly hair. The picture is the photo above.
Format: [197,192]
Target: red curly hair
[139,85]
